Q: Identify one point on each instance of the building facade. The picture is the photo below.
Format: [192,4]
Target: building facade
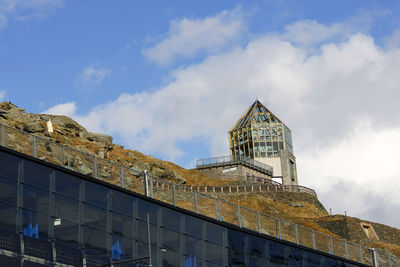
[53,216]
[262,136]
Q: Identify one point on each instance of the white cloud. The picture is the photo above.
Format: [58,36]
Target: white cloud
[340,100]
[67,109]
[23,10]
[91,75]
[3,95]
[187,37]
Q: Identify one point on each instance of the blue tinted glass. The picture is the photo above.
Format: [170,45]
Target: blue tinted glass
[194,226]
[214,253]
[8,190]
[66,231]
[67,185]
[170,239]
[94,239]
[214,233]
[193,246]
[146,207]
[9,165]
[7,216]
[123,203]
[276,254]
[95,217]
[236,239]
[96,194]
[235,257]
[66,208]
[36,199]
[36,174]
[171,219]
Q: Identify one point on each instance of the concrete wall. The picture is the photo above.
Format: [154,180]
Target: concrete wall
[281,166]
[241,171]
[274,162]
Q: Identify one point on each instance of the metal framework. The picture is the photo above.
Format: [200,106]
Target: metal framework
[259,133]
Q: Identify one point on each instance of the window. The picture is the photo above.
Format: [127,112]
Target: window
[292,171]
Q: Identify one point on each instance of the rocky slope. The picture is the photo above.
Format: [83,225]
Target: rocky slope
[300,208]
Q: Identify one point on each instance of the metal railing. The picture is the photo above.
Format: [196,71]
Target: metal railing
[228,160]
[178,195]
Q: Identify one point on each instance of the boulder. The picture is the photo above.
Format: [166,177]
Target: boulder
[100,138]
[34,127]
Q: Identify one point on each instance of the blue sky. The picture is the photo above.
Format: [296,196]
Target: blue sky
[169,78]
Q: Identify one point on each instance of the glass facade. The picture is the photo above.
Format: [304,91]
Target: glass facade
[259,133]
[59,215]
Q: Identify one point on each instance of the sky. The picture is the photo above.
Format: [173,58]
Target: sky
[170,78]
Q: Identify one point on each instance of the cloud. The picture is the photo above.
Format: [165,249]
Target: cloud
[92,76]
[310,32]
[3,95]
[188,37]
[358,173]
[66,109]
[339,99]
[20,10]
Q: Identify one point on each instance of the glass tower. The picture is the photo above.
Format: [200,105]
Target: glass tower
[259,133]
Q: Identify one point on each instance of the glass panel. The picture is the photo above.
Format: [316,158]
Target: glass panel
[95,217]
[66,231]
[354,252]
[294,256]
[215,233]
[185,199]
[276,254]
[193,246]
[8,190]
[35,225]
[66,208]
[321,242]
[49,151]
[214,253]
[18,141]
[146,207]
[268,225]
[163,191]
[235,257]
[170,239]
[36,199]
[81,162]
[338,247]
[9,165]
[96,194]
[171,219]
[288,231]
[37,175]
[249,219]
[142,234]
[94,239]
[134,181]
[105,171]
[7,216]
[257,245]
[305,236]
[206,205]
[171,258]
[122,203]
[122,225]
[229,212]
[236,239]
[194,226]
[67,185]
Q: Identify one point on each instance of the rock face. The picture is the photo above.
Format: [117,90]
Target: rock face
[100,138]
[68,132]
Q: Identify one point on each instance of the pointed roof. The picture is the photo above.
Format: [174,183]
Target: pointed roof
[256,113]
